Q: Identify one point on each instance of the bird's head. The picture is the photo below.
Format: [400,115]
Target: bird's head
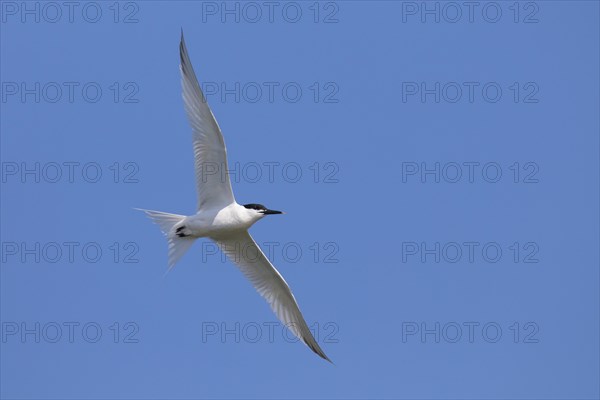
[258,210]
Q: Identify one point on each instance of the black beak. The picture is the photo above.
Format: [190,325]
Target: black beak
[267,212]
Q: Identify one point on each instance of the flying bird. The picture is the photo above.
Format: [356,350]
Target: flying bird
[220,218]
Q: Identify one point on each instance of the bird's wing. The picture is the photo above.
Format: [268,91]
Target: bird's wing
[242,250]
[212,179]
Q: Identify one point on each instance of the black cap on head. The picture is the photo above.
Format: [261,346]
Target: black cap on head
[257,207]
[261,209]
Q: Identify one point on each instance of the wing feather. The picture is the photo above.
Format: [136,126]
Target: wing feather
[210,155]
[242,250]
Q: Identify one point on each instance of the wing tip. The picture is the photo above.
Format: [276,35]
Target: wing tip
[317,350]
[182,49]
[185,65]
[327,359]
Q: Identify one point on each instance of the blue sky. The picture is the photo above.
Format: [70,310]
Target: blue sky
[438,165]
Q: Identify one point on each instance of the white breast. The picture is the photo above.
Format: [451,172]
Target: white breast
[216,223]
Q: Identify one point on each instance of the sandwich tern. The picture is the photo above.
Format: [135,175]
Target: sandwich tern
[220,218]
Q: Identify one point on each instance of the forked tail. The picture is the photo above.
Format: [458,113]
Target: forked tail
[168,224]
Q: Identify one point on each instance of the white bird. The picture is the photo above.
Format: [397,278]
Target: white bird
[220,218]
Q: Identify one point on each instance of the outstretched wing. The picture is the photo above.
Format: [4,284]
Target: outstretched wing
[242,250]
[210,154]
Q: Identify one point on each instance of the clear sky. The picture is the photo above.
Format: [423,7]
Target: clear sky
[438,163]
